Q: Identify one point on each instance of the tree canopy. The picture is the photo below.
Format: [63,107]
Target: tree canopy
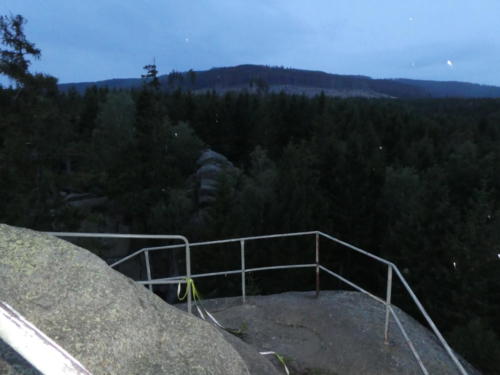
[14,62]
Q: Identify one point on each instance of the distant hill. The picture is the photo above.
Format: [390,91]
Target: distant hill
[443,89]
[259,78]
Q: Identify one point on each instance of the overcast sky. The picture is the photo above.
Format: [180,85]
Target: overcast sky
[89,40]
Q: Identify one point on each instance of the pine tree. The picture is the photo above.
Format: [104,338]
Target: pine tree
[151,76]
[13,59]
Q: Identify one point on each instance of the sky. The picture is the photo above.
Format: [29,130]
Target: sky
[90,40]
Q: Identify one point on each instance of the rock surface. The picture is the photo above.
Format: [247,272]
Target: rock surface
[212,166]
[105,320]
[339,333]
[257,364]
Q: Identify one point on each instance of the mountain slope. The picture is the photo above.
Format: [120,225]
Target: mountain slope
[258,78]
[442,89]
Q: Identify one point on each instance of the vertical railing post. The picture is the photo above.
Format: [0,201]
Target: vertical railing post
[188,276]
[243,285]
[148,269]
[388,303]
[317,264]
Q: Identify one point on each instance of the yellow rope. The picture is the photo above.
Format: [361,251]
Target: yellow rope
[197,298]
[194,292]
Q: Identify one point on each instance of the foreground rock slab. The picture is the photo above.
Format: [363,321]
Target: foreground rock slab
[339,333]
[105,320]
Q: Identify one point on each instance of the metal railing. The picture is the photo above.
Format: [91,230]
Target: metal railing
[391,267]
[391,270]
[175,279]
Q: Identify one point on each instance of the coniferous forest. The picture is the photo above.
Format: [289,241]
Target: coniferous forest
[414,181]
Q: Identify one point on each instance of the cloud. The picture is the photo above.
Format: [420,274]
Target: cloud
[96,39]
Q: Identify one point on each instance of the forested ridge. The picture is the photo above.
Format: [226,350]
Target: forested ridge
[298,81]
[414,181]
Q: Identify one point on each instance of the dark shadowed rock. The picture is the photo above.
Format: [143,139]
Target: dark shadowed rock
[212,166]
[257,364]
[109,323]
[211,157]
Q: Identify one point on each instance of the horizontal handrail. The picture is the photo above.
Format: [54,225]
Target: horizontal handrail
[125,235]
[357,249]
[120,235]
[181,278]
[137,236]
[206,243]
[251,238]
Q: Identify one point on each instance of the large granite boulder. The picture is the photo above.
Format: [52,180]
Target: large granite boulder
[339,333]
[105,320]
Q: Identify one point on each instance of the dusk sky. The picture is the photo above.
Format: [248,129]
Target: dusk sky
[424,39]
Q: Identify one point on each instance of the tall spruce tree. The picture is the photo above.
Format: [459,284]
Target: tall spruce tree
[151,76]
[14,61]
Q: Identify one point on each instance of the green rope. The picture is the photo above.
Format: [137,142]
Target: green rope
[189,286]
[282,360]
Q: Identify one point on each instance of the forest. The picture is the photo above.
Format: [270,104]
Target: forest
[414,181]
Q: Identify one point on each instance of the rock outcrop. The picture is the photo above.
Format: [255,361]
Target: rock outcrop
[105,320]
[338,333]
[211,166]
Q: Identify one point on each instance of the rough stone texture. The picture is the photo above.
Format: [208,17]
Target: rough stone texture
[339,333]
[257,364]
[109,323]
[212,166]
[209,156]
